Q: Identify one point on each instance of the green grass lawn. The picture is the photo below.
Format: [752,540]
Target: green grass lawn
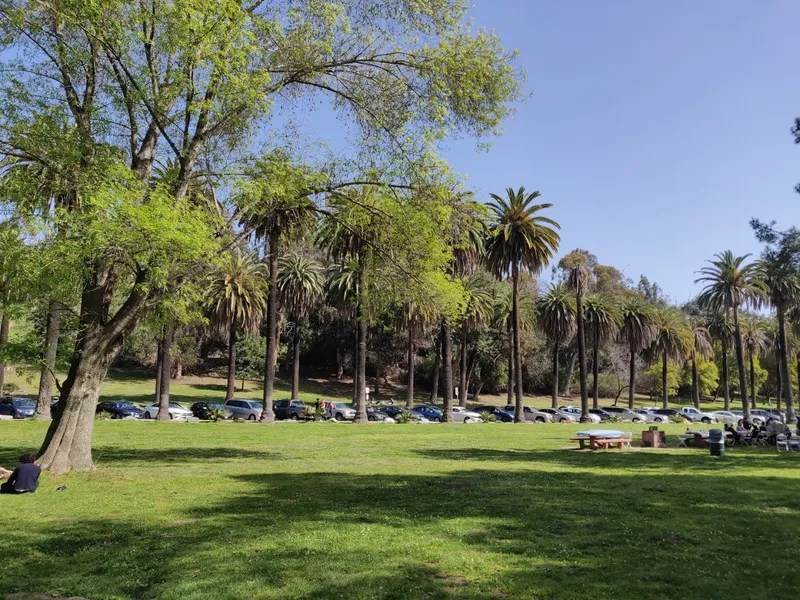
[323,511]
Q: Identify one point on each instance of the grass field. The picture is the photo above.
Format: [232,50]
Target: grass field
[323,511]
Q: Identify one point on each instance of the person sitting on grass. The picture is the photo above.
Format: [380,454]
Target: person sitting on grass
[25,478]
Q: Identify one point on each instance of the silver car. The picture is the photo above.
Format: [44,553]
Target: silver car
[577,413]
[559,416]
[463,415]
[626,414]
[726,416]
[532,414]
[245,409]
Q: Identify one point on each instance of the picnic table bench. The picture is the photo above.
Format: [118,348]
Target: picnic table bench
[595,442]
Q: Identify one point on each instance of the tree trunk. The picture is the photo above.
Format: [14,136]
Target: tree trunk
[376,394]
[752,378]
[447,362]
[554,398]
[463,375]
[778,382]
[356,382]
[664,389]
[267,414]
[339,363]
[178,368]
[4,327]
[410,368]
[361,400]
[296,360]
[510,386]
[582,359]
[632,379]
[695,382]
[231,389]
[478,388]
[726,390]
[573,357]
[46,374]
[519,414]
[784,366]
[159,366]
[437,364]
[740,364]
[166,374]
[595,371]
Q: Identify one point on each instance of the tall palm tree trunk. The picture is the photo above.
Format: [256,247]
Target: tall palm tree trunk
[410,368]
[231,389]
[4,327]
[752,377]
[695,382]
[510,386]
[573,357]
[463,379]
[437,365]
[740,363]
[778,380]
[356,383]
[378,373]
[784,365]
[447,362]
[632,379]
[361,372]
[48,362]
[554,398]
[595,371]
[664,389]
[582,359]
[726,390]
[267,414]
[159,368]
[296,360]
[519,415]
[166,374]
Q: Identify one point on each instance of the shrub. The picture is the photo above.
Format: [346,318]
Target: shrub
[488,417]
[217,414]
[403,417]
[103,415]
[10,388]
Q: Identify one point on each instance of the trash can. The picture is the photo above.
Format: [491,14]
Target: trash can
[716,443]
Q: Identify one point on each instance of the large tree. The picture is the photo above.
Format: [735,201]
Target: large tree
[578,278]
[602,318]
[520,238]
[701,347]
[637,332]
[720,328]
[730,284]
[555,311]
[478,308]
[755,337]
[672,343]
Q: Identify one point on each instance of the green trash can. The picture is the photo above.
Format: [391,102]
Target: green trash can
[716,443]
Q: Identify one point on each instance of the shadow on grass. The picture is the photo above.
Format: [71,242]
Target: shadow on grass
[109,455]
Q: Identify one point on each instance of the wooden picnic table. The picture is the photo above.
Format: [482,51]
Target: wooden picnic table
[597,442]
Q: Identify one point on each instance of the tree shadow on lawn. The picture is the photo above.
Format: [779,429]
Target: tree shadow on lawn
[521,534]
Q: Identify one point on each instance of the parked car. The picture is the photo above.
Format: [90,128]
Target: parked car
[176,411]
[626,414]
[698,416]
[464,415]
[663,415]
[760,416]
[245,409]
[532,414]
[646,415]
[429,412]
[726,416]
[559,416]
[377,414]
[502,415]
[776,414]
[17,407]
[203,410]
[342,412]
[604,416]
[290,409]
[395,411]
[120,409]
[577,413]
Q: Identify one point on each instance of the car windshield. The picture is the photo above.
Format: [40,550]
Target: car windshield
[175,405]
[125,405]
[256,405]
[340,405]
[24,403]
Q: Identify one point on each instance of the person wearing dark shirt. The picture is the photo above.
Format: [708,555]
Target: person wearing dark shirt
[25,477]
[737,439]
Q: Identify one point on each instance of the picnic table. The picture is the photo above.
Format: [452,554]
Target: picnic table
[602,438]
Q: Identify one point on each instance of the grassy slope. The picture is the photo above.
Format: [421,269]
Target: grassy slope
[318,511]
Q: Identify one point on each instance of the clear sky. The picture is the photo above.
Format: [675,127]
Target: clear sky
[657,128]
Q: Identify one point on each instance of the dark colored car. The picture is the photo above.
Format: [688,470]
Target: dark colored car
[17,408]
[203,410]
[290,409]
[120,409]
[604,416]
[501,415]
[393,411]
[429,412]
[376,414]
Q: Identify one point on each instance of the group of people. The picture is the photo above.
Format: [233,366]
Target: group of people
[23,479]
[747,431]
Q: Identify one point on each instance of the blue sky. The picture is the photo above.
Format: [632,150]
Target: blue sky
[658,129]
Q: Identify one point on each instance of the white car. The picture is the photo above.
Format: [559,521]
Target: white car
[176,411]
[463,415]
[726,416]
[695,415]
[559,416]
[576,413]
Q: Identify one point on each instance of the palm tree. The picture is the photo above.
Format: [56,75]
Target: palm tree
[236,295]
[578,282]
[556,317]
[479,307]
[729,285]
[672,342]
[637,331]
[783,283]
[602,320]
[755,339]
[272,219]
[720,328]
[520,238]
[701,346]
[301,282]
